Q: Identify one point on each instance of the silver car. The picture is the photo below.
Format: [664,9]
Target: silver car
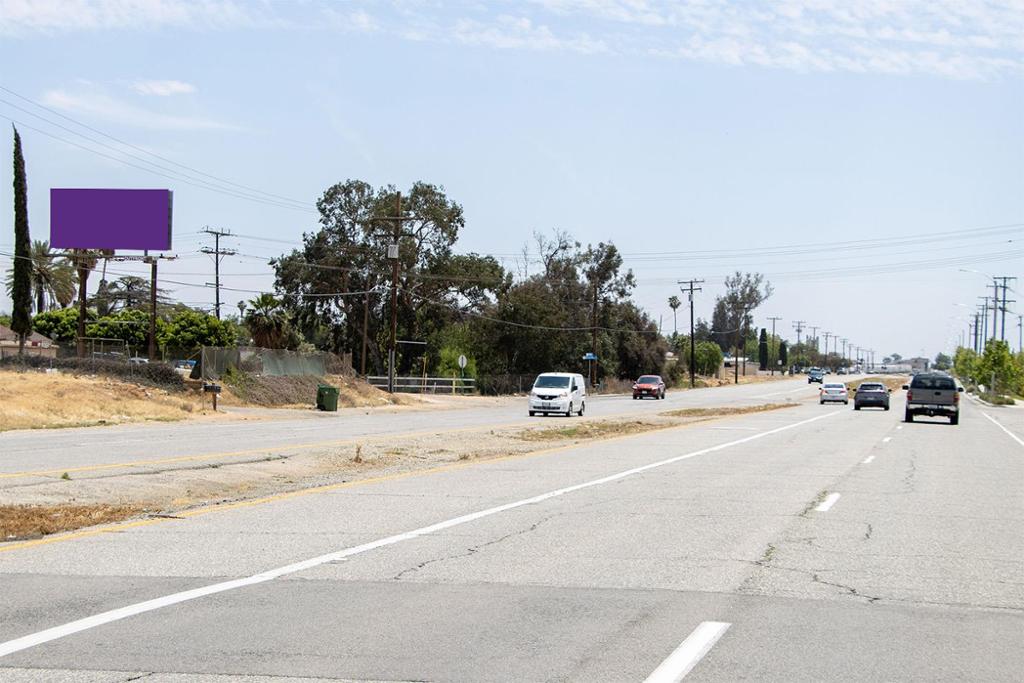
[834,391]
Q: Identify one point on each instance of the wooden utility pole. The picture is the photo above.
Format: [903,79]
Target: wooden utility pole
[217,254]
[393,255]
[366,325]
[690,289]
[774,346]
[593,339]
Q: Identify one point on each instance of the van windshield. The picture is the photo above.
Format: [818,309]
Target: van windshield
[547,382]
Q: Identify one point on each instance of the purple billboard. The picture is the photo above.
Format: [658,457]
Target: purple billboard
[110,219]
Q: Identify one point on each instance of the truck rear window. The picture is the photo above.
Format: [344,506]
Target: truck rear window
[933,383]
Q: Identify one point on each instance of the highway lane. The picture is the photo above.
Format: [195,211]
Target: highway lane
[913,572]
[177,445]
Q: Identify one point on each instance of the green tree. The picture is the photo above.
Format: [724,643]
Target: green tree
[762,349]
[784,354]
[188,330]
[942,362]
[709,358]
[53,279]
[674,303]
[129,292]
[60,325]
[733,313]
[130,326]
[21,277]
[965,364]
[267,322]
[997,368]
[349,255]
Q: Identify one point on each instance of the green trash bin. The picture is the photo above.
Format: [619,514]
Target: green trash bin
[326,397]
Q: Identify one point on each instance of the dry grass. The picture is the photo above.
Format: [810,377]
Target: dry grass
[300,391]
[588,430]
[728,410]
[19,522]
[39,400]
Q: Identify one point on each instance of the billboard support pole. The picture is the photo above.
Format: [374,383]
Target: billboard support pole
[152,309]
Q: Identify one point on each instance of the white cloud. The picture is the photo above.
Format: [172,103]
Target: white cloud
[163,88]
[521,33]
[106,108]
[19,17]
[959,39]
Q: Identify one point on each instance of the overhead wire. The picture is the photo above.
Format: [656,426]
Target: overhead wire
[249,189]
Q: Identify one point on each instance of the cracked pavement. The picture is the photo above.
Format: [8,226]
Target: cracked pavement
[915,573]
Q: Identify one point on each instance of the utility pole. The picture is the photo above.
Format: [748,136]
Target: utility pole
[774,362]
[1005,279]
[814,331]
[593,338]
[366,325]
[984,323]
[798,325]
[1020,333]
[393,255]
[995,305]
[217,254]
[827,335]
[690,289]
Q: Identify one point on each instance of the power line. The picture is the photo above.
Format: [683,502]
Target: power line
[132,146]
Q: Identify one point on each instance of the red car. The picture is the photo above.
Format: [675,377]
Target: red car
[649,385]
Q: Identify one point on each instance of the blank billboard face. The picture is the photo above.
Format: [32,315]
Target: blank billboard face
[110,219]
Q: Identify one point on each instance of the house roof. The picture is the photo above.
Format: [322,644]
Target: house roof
[7,334]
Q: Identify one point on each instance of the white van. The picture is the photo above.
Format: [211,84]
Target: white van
[563,393]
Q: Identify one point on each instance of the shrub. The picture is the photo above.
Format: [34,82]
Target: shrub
[155,374]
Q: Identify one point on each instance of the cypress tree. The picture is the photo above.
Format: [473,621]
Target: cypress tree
[762,349]
[21,286]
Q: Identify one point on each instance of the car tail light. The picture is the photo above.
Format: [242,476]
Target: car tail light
[956,398]
[910,394]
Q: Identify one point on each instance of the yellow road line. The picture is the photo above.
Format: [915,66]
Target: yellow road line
[115,528]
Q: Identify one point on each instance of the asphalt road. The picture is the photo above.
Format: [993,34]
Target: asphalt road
[32,456]
[809,544]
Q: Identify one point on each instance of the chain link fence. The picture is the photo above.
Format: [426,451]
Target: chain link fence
[214,361]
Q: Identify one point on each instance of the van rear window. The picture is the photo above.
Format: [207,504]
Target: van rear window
[939,383]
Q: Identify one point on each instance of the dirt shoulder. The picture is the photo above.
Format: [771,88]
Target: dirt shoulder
[47,400]
[63,504]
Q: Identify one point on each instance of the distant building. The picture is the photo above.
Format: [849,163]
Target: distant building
[36,344]
[918,364]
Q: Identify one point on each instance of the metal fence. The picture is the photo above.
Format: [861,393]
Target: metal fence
[214,361]
[426,385]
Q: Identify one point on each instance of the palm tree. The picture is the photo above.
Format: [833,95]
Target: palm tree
[674,303]
[267,321]
[53,278]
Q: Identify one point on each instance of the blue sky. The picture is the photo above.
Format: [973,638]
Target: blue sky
[696,136]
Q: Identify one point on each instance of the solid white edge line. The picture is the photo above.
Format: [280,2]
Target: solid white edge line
[827,504]
[689,653]
[31,640]
[866,460]
[996,423]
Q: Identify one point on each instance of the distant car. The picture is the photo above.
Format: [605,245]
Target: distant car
[931,394]
[815,375]
[871,394]
[184,367]
[137,360]
[562,393]
[841,371]
[832,392]
[649,385]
